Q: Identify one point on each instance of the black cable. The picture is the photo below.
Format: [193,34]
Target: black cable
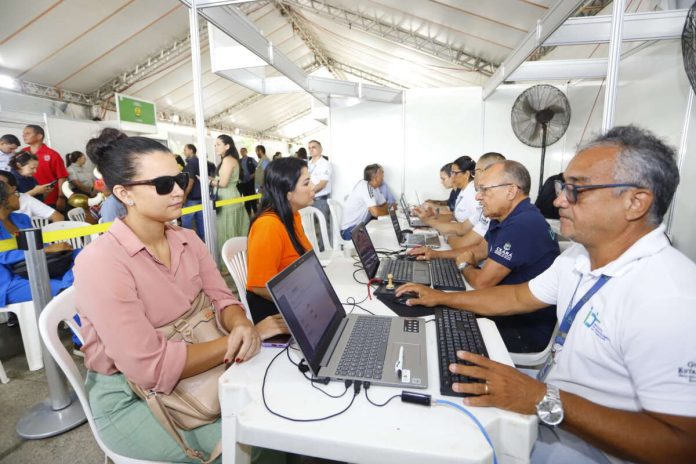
[366,386]
[312,379]
[430,320]
[356,279]
[263,396]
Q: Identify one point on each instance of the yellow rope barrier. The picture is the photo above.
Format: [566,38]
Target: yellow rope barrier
[57,235]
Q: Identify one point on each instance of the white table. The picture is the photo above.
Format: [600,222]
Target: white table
[397,433]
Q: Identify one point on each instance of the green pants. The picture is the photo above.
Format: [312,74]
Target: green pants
[127,427]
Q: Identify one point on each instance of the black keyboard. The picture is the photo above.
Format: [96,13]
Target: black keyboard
[401,269]
[445,275]
[366,349]
[456,330]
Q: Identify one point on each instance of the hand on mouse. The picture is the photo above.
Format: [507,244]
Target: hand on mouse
[426,295]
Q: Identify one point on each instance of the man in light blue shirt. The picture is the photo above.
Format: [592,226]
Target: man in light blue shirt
[8,146]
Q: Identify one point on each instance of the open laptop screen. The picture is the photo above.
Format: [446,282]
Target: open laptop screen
[397,226]
[366,251]
[304,296]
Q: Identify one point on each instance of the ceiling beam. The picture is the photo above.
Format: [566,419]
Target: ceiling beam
[556,15]
[52,93]
[250,100]
[299,25]
[396,34]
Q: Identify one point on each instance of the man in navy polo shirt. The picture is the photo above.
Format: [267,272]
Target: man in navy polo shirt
[519,246]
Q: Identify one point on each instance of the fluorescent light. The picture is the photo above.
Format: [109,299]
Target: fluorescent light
[6,82]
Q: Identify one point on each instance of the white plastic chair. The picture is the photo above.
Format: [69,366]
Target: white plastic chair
[309,214]
[39,222]
[336,210]
[29,330]
[535,359]
[77,214]
[234,255]
[62,309]
[78,242]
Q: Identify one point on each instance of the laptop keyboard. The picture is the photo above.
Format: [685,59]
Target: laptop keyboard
[364,354]
[400,268]
[445,275]
[456,330]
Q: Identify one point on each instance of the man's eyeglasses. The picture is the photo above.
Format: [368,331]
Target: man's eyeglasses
[571,191]
[164,184]
[482,189]
[454,173]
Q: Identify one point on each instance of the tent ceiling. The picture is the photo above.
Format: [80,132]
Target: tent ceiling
[80,45]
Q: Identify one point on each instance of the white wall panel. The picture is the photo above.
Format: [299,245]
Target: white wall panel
[369,132]
[440,125]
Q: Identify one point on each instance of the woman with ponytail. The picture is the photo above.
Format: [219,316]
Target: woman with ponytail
[276,238]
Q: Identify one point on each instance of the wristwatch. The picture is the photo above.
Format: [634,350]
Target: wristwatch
[550,408]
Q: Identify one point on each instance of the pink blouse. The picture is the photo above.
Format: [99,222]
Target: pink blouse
[123,292]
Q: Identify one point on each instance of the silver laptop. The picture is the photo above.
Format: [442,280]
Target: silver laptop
[402,270]
[411,240]
[379,349]
[413,221]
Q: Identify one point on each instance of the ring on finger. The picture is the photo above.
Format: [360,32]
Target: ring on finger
[485,391]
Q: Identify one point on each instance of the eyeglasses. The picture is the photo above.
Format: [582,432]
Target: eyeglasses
[571,191]
[454,173]
[483,189]
[164,184]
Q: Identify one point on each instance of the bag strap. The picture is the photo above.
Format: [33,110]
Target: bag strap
[166,421]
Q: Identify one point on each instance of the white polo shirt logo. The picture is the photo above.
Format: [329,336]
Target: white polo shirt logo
[594,323]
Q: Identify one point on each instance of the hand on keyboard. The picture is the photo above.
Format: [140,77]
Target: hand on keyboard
[423,253]
[426,295]
[503,386]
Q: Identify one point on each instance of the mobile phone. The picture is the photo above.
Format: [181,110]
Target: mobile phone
[51,184]
[279,341]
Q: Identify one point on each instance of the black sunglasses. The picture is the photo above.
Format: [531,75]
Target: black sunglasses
[164,184]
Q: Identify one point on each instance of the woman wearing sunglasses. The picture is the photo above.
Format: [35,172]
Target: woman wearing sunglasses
[232,220]
[142,274]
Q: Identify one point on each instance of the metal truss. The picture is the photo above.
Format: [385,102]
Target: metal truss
[401,36]
[152,64]
[299,25]
[53,93]
[368,76]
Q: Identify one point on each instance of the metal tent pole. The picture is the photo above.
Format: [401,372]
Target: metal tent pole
[613,65]
[61,411]
[209,218]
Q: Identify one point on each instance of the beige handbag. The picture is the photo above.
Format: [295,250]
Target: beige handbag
[194,401]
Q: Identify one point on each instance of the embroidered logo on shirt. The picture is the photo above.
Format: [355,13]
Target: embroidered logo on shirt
[504,252]
[47,157]
[593,322]
[688,372]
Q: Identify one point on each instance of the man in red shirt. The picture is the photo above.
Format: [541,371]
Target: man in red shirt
[51,166]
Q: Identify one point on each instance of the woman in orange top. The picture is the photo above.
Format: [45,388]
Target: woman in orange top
[276,238]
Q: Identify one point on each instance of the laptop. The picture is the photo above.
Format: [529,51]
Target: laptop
[379,349]
[402,270]
[441,273]
[413,221]
[409,239]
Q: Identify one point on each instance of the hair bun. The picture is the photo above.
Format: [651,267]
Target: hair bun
[99,146]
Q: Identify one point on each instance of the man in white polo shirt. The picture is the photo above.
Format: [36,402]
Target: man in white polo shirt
[365,201]
[320,177]
[622,380]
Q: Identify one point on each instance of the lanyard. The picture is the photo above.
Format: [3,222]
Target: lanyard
[568,321]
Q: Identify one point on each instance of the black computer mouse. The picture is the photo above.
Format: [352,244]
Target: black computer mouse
[406,231]
[405,297]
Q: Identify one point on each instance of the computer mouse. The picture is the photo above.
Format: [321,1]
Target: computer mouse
[406,231]
[405,297]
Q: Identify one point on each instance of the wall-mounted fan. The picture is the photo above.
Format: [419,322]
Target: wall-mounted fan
[688,43]
[540,117]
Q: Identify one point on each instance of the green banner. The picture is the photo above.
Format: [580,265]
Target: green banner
[134,110]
